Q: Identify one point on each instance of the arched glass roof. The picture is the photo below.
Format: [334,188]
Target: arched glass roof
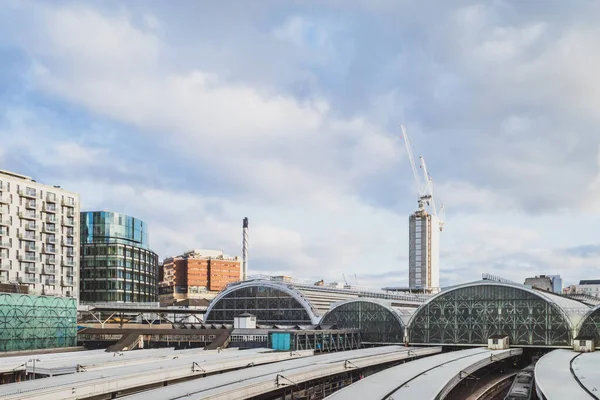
[379,321]
[315,300]
[272,303]
[468,314]
[590,326]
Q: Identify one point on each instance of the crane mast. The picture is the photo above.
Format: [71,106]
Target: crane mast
[425,192]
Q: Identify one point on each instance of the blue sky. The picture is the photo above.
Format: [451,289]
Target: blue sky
[194,116]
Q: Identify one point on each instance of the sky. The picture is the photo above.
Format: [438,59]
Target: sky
[193,115]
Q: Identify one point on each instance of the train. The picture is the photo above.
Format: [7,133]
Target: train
[522,386]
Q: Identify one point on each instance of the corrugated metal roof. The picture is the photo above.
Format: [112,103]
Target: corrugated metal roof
[554,377]
[426,379]
[235,383]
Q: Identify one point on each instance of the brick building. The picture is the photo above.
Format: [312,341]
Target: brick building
[197,274]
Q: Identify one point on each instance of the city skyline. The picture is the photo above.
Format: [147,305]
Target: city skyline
[290,115]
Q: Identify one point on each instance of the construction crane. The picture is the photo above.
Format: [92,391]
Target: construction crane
[425,191]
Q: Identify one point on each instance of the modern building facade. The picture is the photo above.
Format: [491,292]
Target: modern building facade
[424,252]
[117,264]
[39,227]
[30,322]
[197,274]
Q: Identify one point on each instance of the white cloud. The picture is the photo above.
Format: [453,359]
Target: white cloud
[504,108]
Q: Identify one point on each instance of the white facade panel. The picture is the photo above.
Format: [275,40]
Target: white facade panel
[39,236]
[424,252]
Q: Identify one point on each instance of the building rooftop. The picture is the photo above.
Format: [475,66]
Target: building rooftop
[258,380]
[590,282]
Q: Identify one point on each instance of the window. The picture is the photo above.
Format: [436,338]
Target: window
[494,341]
[582,343]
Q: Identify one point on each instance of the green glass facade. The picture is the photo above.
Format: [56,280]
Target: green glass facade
[37,322]
[116,263]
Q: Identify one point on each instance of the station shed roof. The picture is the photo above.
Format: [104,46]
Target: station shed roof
[316,300]
[428,376]
[259,380]
[566,374]
[108,380]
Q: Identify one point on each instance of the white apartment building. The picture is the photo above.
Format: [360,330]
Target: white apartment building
[39,236]
[424,252]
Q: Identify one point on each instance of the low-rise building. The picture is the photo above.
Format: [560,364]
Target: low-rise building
[197,274]
[550,283]
[590,287]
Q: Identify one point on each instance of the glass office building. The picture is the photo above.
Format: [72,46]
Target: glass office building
[117,264]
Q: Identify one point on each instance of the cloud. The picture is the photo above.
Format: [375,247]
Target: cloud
[289,115]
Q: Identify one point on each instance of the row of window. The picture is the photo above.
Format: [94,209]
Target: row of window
[118,250]
[118,296]
[116,273]
[38,194]
[118,285]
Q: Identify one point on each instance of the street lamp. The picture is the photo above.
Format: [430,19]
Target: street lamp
[34,360]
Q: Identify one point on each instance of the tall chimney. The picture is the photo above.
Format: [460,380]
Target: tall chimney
[245,250]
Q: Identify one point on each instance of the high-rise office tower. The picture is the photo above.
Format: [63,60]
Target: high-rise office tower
[39,231]
[424,252]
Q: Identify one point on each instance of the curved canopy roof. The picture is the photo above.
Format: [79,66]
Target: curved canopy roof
[574,310]
[317,300]
[401,313]
[469,313]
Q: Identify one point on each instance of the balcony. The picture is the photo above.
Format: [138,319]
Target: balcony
[50,197]
[49,250]
[49,271]
[4,200]
[27,193]
[31,238]
[70,233]
[48,229]
[66,282]
[5,266]
[51,261]
[66,263]
[51,240]
[49,208]
[31,226]
[32,270]
[5,244]
[67,243]
[67,222]
[68,203]
[51,219]
[27,279]
[31,247]
[50,282]
[31,205]
[70,213]
[70,273]
[4,221]
[28,215]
